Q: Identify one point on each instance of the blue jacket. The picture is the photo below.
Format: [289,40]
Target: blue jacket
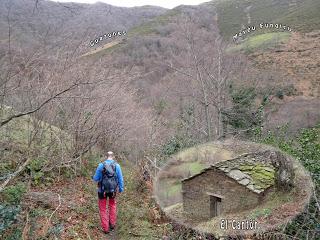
[98,175]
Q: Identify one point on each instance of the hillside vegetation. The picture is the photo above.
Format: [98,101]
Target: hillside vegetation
[172,83]
[63,204]
[232,17]
[261,42]
[298,14]
[70,23]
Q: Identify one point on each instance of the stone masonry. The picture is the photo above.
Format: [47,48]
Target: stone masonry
[230,186]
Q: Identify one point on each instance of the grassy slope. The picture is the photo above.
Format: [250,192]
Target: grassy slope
[25,134]
[303,17]
[151,26]
[262,41]
[20,131]
[232,16]
[144,29]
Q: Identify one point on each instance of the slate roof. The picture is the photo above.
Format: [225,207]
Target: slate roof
[252,171]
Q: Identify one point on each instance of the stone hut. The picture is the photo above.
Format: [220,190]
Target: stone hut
[228,187]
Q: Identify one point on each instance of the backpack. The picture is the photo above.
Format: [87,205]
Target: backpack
[109,182]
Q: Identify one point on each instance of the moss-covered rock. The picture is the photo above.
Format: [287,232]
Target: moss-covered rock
[262,176]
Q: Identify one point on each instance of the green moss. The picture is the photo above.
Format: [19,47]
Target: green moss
[262,176]
[262,181]
[246,168]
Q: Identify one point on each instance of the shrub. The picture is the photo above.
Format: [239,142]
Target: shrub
[172,146]
[290,90]
[305,147]
[8,215]
[35,167]
[280,94]
[13,194]
[89,164]
[14,234]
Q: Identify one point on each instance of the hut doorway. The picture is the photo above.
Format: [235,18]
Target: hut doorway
[215,205]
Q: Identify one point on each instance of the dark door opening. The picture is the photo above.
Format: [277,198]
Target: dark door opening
[215,206]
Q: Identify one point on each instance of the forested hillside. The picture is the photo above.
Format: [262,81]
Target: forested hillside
[174,80]
[53,24]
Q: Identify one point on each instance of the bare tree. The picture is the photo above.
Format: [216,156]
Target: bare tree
[50,86]
[211,70]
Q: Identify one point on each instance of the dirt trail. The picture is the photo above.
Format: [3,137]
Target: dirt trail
[112,235]
[75,213]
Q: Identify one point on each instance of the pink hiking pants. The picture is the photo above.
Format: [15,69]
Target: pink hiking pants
[108,214]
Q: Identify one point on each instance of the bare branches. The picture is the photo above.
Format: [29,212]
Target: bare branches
[4,122]
[49,219]
[206,78]
[15,174]
[179,70]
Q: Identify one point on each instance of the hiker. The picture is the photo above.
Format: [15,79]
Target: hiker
[110,182]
